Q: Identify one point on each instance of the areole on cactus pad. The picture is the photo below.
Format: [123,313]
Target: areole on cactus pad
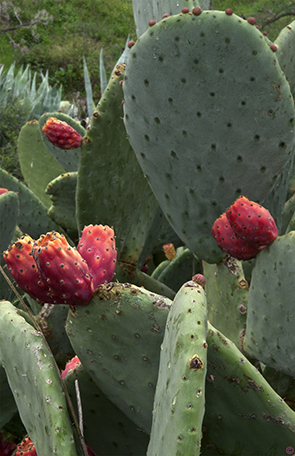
[51,271]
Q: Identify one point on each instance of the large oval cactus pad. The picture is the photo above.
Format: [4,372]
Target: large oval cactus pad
[210,116]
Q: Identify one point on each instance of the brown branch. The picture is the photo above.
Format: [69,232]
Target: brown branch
[276,18]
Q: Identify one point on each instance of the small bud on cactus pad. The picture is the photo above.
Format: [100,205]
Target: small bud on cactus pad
[165,15]
[63,269]
[23,268]
[274,47]
[61,134]
[196,11]
[3,190]
[229,11]
[251,20]
[185,10]
[131,44]
[251,222]
[200,279]
[97,246]
[151,23]
[72,364]
[169,251]
[230,243]
[26,448]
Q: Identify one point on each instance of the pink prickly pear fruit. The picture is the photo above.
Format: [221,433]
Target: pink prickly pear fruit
[6,447]
[169,251]
[230,243]
[72,364]
[199,279]
[63,269]
[61,134]
[22,266]
[252,222]
[26,448]
[3,190]
[97,246]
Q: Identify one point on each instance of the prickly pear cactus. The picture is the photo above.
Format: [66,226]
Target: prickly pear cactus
[179,403]
[181,70]
[35,384]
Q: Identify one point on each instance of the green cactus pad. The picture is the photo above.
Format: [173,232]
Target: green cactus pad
[145,11]
[68,159]
[117,338]
[32,218]
[180,270]
[35,384]
[289,211]
[62,191]
[218,119]
[107,430]
[125,272]
[179,404]
[112,189]
[285,53]
[227,297]
[244,415]
[8,405]
[38,167]
[9,210]
[160,233]
[270,335]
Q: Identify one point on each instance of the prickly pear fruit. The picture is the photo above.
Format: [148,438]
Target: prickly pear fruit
[72,364]
[6,447]
[22,266]
[61,134]
[230,243]
[26,448]
[169,251]
[3,190]
[97,247]
[252,222]
[64,270]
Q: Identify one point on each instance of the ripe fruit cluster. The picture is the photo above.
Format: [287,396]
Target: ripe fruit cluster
[244,229]
[51,271]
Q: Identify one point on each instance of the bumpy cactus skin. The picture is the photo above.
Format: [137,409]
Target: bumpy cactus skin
[179,403]
[192,355]
[195,175]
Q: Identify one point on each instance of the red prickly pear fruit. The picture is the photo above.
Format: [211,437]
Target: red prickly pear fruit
[230,243]
[169,251]
[61,134]
[251,20]
[6,447]
[97,246]
[200,279]
[252,222]
[145,267]
[63,269]
[196,11]
[90,452]
[22,266]
[26,448]
[72,364]
[3,190]
[229,11]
